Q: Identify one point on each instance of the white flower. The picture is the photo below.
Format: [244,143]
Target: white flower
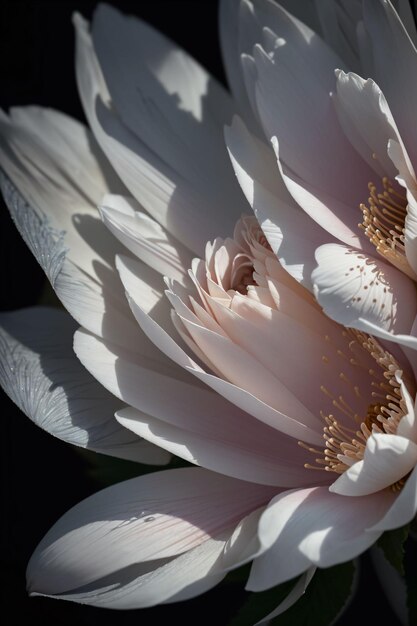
[305,432]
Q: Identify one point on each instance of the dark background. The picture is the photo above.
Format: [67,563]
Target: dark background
[41,476]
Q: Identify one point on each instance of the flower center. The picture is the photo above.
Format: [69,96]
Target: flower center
[345,433]
[383,223]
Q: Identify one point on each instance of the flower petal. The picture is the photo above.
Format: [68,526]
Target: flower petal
[387,459]
[144,237]
[219,437]
[167,100]
[95,305]
[152,517]
[367,120]
[292,235]
[403,509]
[365,293]
[183,208]
[163,581]
[308,527]
[41,374]
[393,66]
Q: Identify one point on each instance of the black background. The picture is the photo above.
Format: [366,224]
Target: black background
[41,476]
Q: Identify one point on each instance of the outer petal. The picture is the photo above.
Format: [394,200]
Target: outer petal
[221,438]
[387,459]
[292,235]
[42,375]
[313,527]
[167,99]
[81,274]
[393,66]
[145,519]
[158,582]
[365,293]
[403,509]
[180,205]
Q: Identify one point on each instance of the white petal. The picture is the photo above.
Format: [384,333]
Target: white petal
[365,293]
[58,168]
[387,459]
[292,235]
[162,581]
[404,507]
[181,205]
[145,238]
[78,261]
[232,46]
[394,67]
[152,517]
[219,437]
[165,98]
[313,527]
[42,375]
[367,120]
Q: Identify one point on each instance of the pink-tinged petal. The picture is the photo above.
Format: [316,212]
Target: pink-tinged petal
[41,374]
[387,459]
[403,509]
[308,527]
[144,237]
[329,211]
[148,518]
[367,121]
[242,397]
[295,594]
[393,67]
[365,293]
[292,235]
[221,438]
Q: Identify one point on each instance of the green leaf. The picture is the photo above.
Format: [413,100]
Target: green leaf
[392,544]
[324,599]
[259,605]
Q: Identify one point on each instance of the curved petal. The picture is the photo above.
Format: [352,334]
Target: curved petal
[295,594]
[78,261]
[184,209]
[167,100]
[365,293]
[387,459]
[144,237]
[221,438]
[367,120]
[403,509]
[308,527]
[245,400]
[152,517]
[292,235]
[393,66]
[41,374]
